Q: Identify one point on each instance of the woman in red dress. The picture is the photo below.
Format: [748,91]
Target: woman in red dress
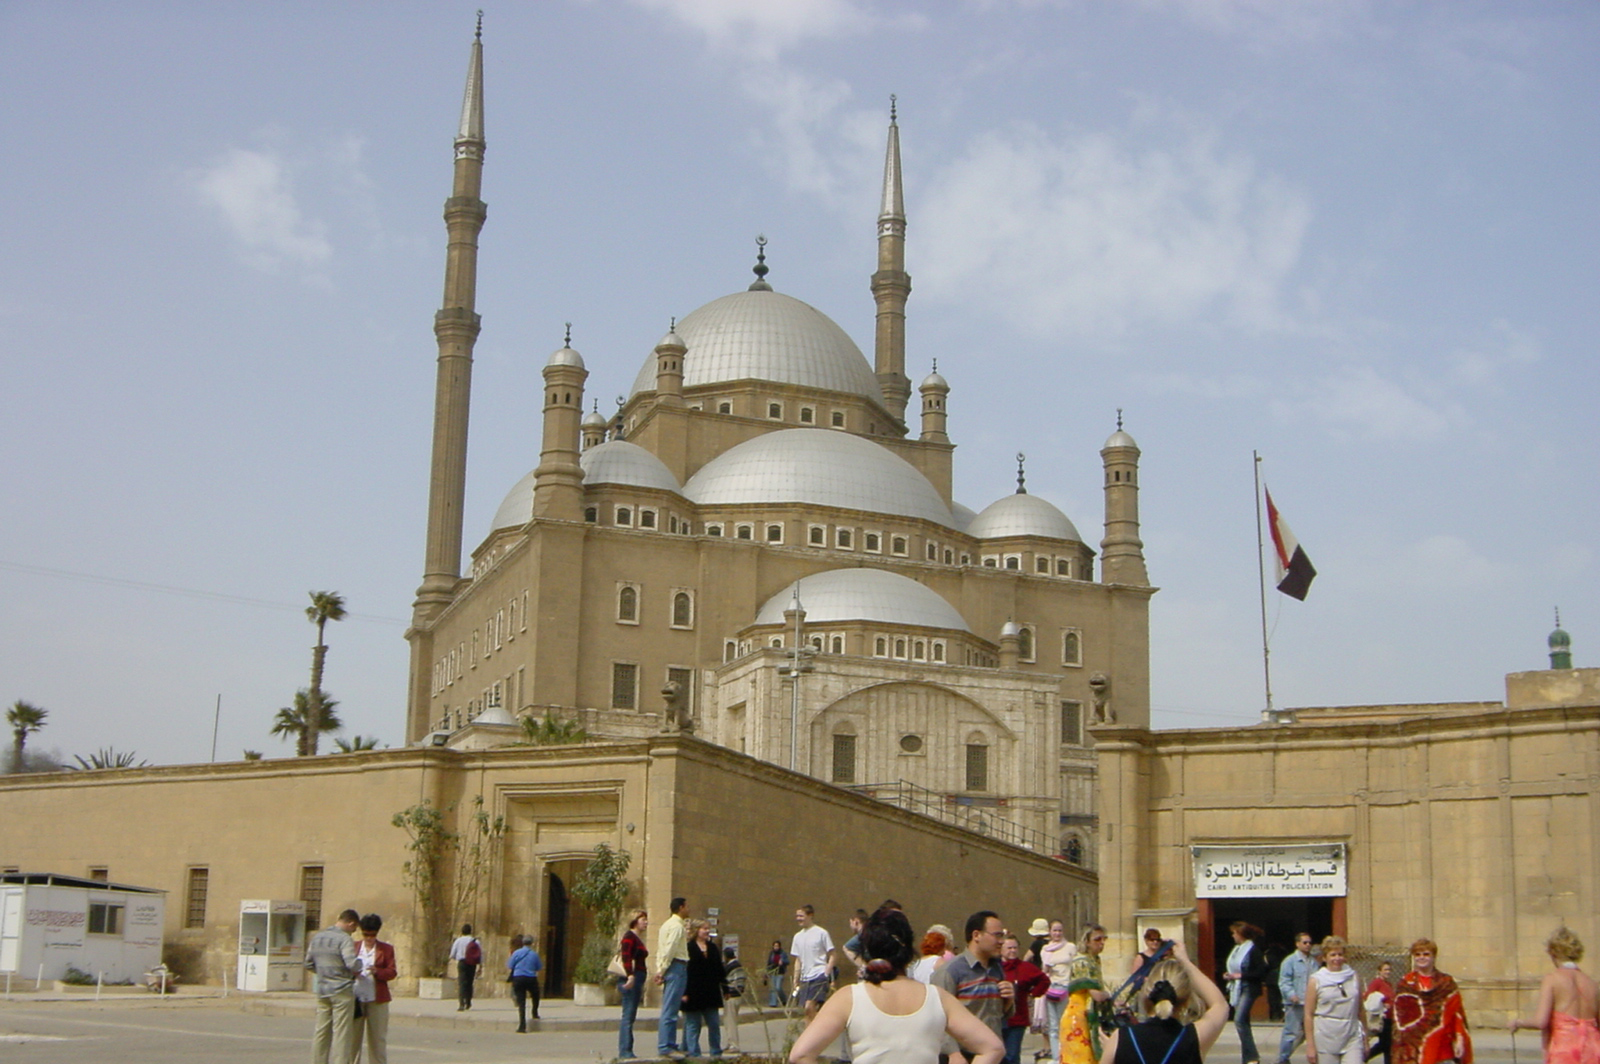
[1430,1025]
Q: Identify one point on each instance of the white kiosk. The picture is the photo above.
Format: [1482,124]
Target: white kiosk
[272,945]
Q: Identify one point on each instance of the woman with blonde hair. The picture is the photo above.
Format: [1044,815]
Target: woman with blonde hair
[1166,996]
[1568,1017]
[1086,992]
[1337,1029]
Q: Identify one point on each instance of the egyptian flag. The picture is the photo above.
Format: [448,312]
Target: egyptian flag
[1295,572]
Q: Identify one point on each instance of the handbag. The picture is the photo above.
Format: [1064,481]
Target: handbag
[1038,1019]
[1056,992]
[616,967]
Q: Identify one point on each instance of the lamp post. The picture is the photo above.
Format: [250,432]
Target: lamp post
[799,664]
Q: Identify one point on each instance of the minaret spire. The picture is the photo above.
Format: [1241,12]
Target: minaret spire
[891,285]
[456,328]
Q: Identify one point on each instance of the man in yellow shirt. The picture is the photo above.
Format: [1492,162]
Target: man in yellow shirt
[672,973]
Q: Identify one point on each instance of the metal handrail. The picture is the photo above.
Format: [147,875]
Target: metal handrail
[914,798]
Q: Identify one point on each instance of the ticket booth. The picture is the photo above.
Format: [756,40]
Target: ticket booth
[272,945]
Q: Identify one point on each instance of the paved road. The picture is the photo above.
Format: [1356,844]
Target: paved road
[250,1031]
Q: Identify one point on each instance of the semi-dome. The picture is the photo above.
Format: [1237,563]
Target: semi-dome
[617,462]
[872,595]
[767,336]
[821,468]
[621,462]
[1022,515]
[964,516]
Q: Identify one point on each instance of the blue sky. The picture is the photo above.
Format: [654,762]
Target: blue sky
[1358,237]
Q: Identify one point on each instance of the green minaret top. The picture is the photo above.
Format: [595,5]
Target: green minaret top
[1560,646]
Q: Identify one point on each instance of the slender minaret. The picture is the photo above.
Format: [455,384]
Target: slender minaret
[1122,551]
[456,326]
[935,393]
[558,480]
[891,285]
[669,368]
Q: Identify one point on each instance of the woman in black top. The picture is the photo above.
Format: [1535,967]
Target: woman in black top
[702,995]
[1247,968]
[1165,1038]
[777,968]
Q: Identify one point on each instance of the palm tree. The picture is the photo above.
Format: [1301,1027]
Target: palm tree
[296,721]
[356,743]
[551,730]
[25,719]
[325,606]
[108,758]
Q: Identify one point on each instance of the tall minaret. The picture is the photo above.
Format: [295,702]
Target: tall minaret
[891,285]
[1122,551]
[456,326]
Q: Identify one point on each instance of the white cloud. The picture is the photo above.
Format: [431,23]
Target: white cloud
[1266,22]
[254,194]
[1082,235]
[1505,347]
[760,30]
[1442,564]
[1359,400]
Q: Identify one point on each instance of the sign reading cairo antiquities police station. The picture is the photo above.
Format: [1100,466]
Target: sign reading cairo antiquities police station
[1269,871]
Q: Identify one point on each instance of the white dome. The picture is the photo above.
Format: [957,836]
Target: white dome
[1120,439]
[516,509]
[964,516]
[767,336]
[934,380]
[873,595]
[819,467]
[566,356]
[621,462]
[617,462]
[1022,515]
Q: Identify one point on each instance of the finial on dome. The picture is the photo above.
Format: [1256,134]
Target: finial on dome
[1021,480]
[1558,616]
[891,95]
[760,269]
[568,341]
[672,324]
[479,33]
[1119,419]
[936,365]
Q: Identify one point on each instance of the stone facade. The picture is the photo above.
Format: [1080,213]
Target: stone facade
[725,830]
[1473,824]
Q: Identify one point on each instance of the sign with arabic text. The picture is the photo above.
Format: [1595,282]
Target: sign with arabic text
[1269,871]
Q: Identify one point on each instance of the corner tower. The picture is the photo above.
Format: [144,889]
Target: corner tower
[1122,551]
[456,327]
[891,285]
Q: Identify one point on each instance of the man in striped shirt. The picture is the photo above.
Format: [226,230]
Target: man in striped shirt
[976,977]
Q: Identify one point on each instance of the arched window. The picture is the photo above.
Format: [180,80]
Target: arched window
[836,645]
[899,648]
[1025,644]
[880,647]
[628,604]
[1073,850]
[1071,648]
[682,610]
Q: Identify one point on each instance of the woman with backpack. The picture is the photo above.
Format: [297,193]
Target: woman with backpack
[467,952]
[1164,1038]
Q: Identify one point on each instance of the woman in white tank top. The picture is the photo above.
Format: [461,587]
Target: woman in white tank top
[891,1018]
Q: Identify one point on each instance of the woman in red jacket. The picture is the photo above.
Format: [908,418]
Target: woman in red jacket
[1027,982]
[372,991]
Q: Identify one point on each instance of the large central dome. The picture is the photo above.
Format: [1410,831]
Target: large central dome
[818,467]
[767,336]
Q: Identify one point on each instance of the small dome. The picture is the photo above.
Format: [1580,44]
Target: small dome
[1022,515]
[964,516]
[934,381]
[767,336]
[516,509]
[821,468]
[621,462]
[1120,439]
[1560,640]
[594,419]
[566,356]
[872,595]
[672,339]
[495,715]
[1010,628]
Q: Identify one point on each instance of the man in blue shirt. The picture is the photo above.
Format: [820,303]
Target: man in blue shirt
[1293,974]
[525,966]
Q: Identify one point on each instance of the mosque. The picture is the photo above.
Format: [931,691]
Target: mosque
[762,549]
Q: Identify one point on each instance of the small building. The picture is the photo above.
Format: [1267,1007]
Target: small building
[51,922]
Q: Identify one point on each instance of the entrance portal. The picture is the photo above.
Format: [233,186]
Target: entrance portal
[1280,920]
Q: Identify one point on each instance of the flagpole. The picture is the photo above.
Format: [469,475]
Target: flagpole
[1269,714]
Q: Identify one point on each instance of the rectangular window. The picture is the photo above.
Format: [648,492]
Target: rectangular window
[624,685]
[898,545]
[844,759]
[807,415]
[311,894]
[842,538]
[624,515]
[871,542]
[933,552]
[775,411]
[647,519]
[105,918]
[838,419]
[977,767]
[1041,564]
[1063,567]
[194,914]
[100,874]
[818,535]
[774,533]
[524,626]
[1072,723]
